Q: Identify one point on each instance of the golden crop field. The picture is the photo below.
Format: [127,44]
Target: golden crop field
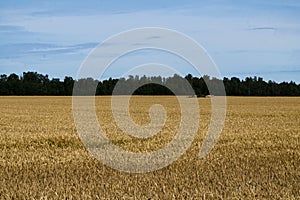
[256,157]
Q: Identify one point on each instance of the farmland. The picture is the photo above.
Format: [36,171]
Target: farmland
[257,155]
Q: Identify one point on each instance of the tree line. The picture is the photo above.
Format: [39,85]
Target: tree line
[33,83]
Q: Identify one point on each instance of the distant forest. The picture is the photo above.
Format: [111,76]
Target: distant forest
[33,83]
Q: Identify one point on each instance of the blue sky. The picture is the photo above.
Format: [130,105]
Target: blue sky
[244,38]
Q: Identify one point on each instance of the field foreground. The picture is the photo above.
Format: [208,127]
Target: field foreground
[257,155]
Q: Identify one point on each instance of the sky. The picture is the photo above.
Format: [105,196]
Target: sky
[244,38]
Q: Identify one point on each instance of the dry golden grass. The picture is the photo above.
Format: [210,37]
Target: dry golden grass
[256,157]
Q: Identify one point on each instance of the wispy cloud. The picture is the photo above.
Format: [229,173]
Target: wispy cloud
[11,28]
[153,37]
[49,48]
[24,49]
[263,28]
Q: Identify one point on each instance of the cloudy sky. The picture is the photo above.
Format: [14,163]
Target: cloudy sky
[244,38]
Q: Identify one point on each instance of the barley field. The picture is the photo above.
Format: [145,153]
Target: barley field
[257,155]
